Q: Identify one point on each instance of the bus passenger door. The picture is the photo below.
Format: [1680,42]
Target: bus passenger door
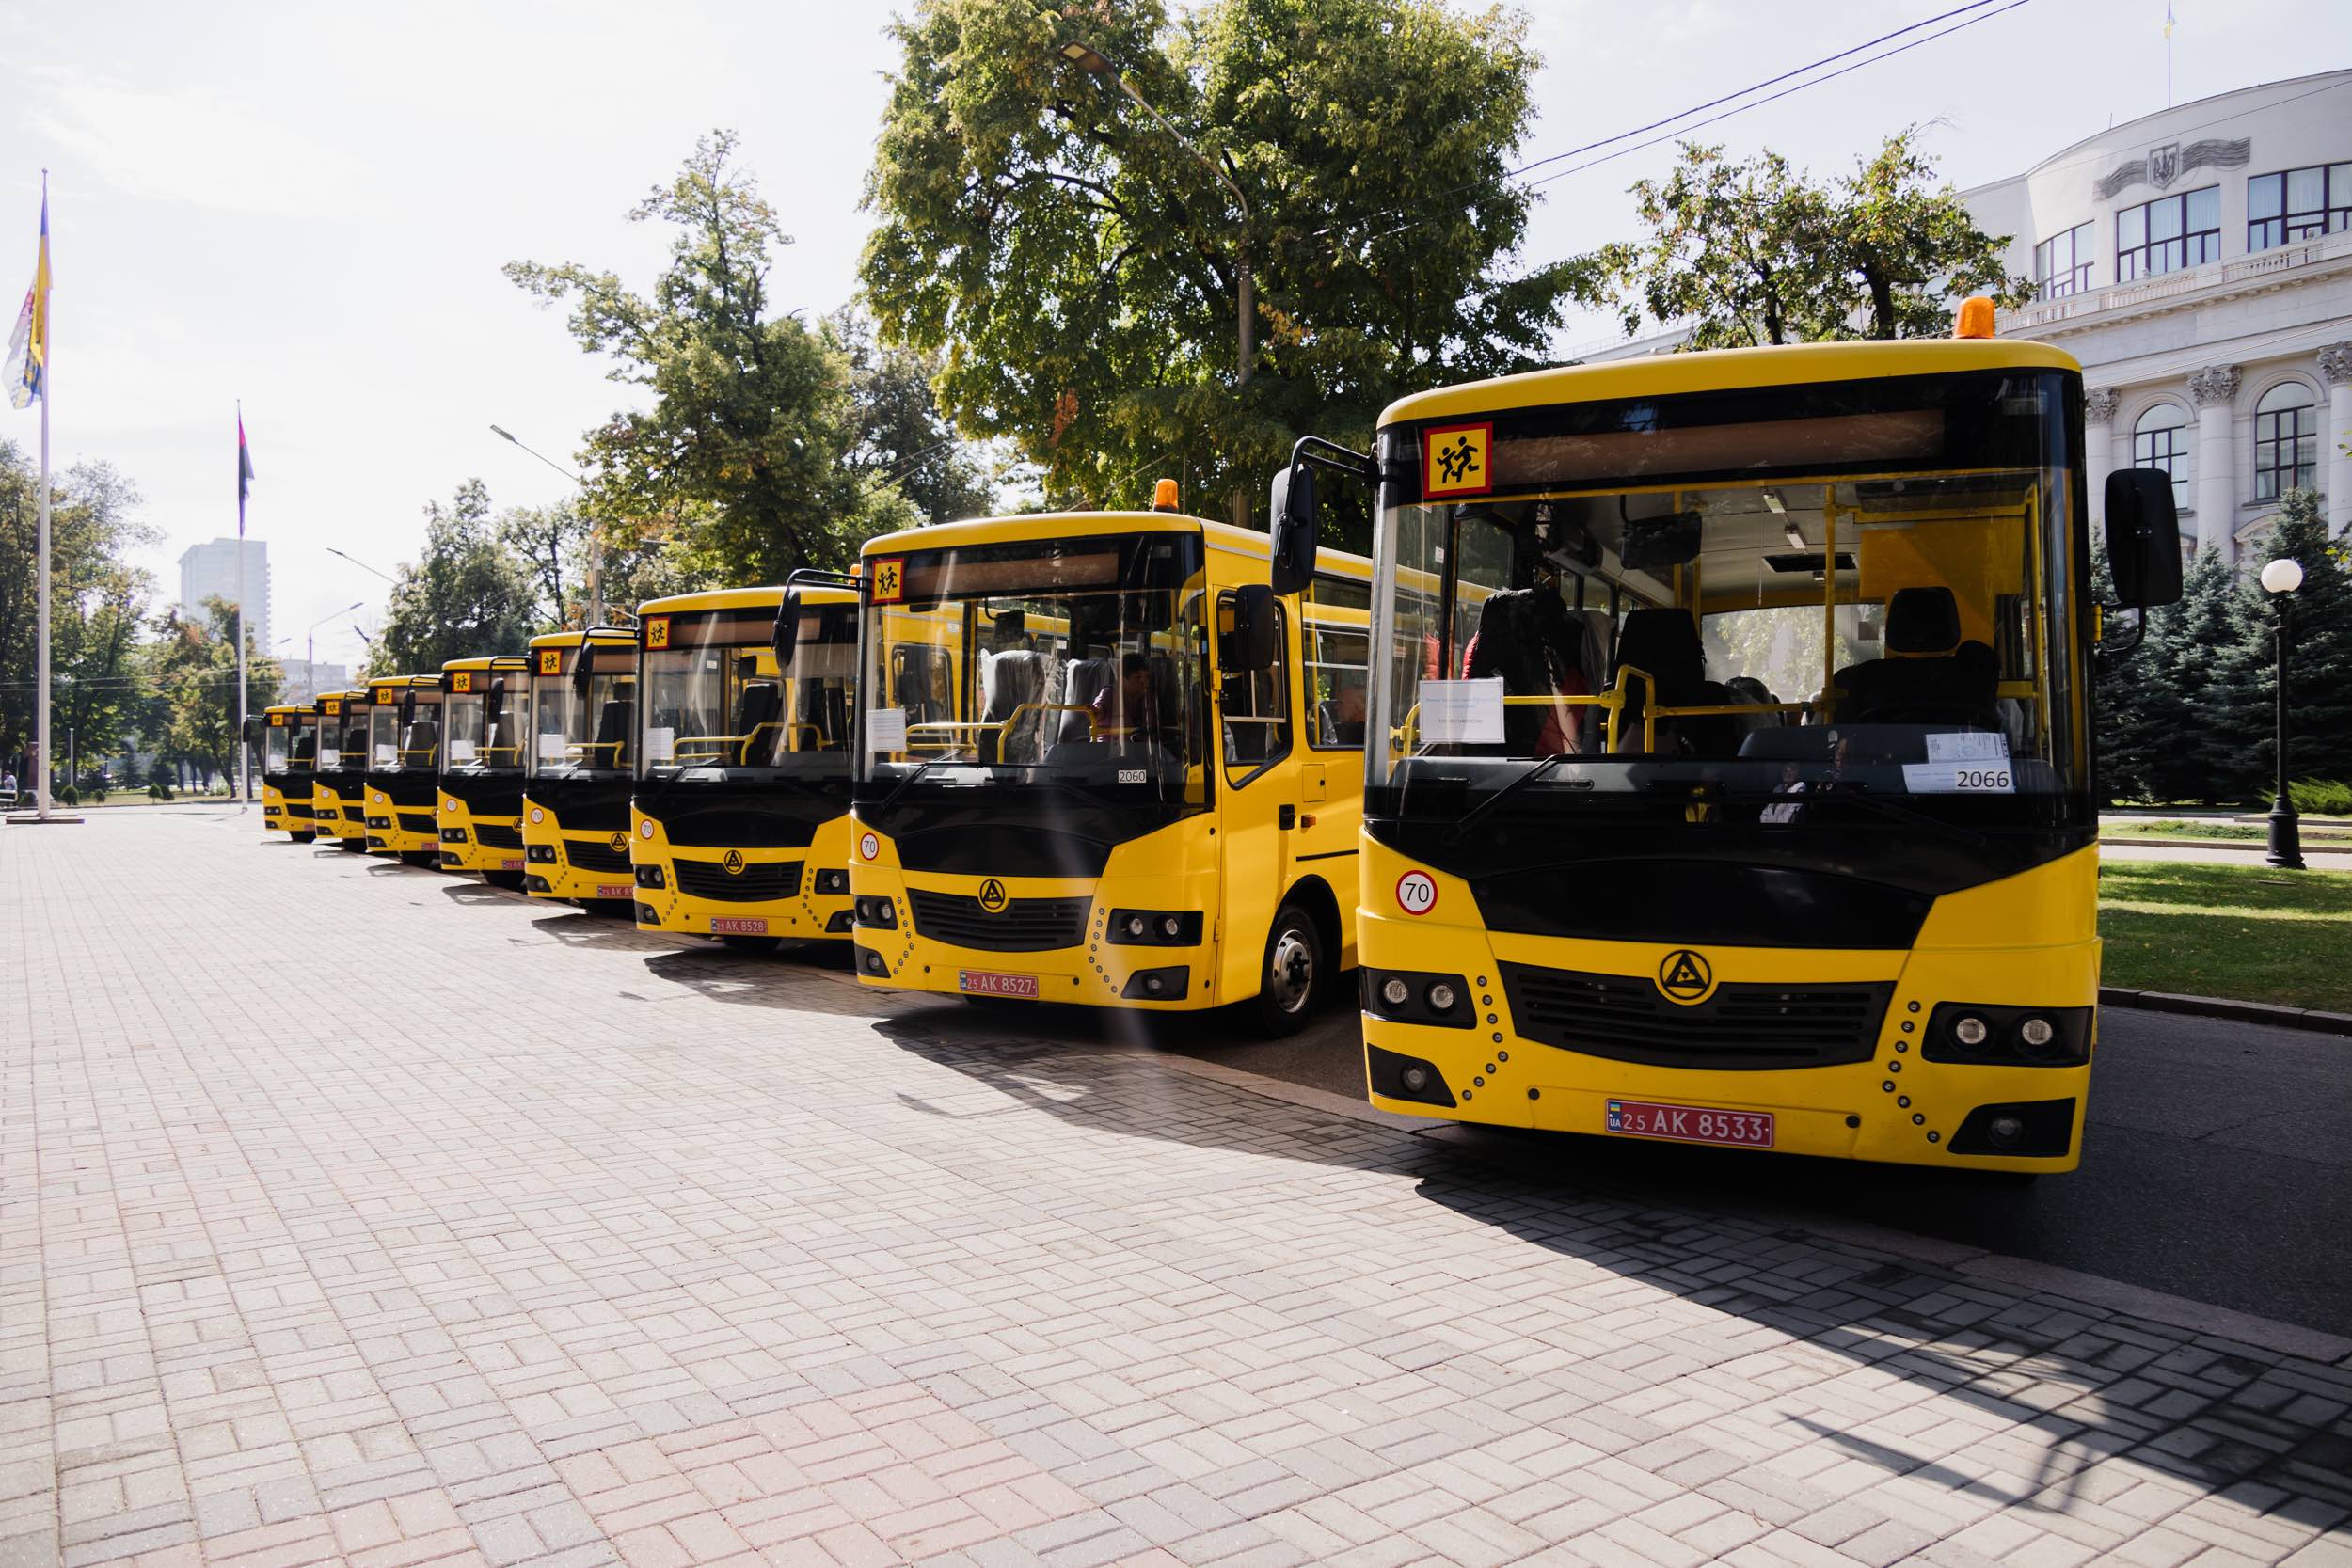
[1258,805]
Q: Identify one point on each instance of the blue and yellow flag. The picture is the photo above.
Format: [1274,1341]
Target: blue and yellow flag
[28,345]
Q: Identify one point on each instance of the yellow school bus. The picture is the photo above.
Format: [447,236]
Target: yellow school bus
[404,767]
[486,728]
[339,799]
[1730,775]
[289,749]
[741,811]
[576,771]
[1102,761]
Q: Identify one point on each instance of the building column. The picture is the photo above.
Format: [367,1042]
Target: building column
[2335,462]
[2099,458]
[2213,390]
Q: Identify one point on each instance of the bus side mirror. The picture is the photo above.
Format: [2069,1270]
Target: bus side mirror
[787,635]
[408,709]
[2143,537]
[1252,643]
[497,701]
[1293,527]
[253,731]
[583,668]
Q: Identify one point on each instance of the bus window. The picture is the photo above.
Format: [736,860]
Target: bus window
[1256,702]
[1336,668]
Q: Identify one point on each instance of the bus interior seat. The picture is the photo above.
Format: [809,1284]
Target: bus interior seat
[1526,636]
[1664,645]
[304,747]
[1009,679]
[760,705]
[422,737]
[1088,677]
[1929,675]
[611,732]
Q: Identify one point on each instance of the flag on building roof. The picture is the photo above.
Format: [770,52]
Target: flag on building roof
[28,345]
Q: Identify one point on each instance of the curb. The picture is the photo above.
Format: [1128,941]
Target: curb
[2313,1020]
[2247,844]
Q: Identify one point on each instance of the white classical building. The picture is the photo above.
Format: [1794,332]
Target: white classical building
[2199,264]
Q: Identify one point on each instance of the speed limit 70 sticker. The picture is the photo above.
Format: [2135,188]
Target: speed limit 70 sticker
[1416,893]
[870,846]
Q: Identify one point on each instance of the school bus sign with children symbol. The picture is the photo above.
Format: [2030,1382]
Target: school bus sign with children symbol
[1457,460]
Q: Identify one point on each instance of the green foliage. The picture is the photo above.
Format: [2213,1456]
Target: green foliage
[899,434]
[192,670]
[1754,252]
[1076,265]
[2319,797]
[551,542]
[469,594]
[68,796]
[735,474]
[2190,714]
[98,600]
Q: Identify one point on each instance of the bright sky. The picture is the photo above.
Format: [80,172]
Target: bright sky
[307,206]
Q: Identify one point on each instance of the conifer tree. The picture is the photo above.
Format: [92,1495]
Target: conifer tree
[2319,670]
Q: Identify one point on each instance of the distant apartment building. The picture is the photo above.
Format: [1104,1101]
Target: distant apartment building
[306,680]
[209,571]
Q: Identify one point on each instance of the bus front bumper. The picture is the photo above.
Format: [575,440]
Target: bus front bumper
[811,882]
[1880,1098]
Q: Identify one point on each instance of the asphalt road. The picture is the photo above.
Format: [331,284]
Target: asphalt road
[2218,1165]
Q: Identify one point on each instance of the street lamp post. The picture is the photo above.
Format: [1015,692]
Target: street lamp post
[363,565]
[310,650]
[1088,60]
[2280,578]
[596,540]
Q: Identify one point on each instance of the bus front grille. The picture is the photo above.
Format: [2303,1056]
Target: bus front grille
[587,856]
[1626,1018]
[758,881]
[496,835]
[419,822]
[1022,926]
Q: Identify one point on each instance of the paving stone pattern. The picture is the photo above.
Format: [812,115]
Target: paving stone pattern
[349,1212]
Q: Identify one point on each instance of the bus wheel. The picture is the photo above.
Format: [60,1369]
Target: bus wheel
[302,838]
[753,945]
[1291,976]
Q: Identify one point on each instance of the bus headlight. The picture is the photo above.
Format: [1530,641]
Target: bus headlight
[653,877]
[1395,1076]
[880,913]
[1154,928]
[1987,1035]
[1408,997]
[833,880]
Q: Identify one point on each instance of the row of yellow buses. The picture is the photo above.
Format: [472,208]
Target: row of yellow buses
[1702,755]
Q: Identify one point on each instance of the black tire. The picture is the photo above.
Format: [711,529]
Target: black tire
[755,944]
[302,838]
[351,846]
[1291,974]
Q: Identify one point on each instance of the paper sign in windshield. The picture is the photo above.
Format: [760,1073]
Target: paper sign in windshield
[552,746]
[1462,713]
[886,729]
[661,743]
[461,751]
[383,756]
[1968,746]
[1959,778]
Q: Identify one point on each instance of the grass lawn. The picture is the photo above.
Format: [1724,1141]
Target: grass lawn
[2248,932]
[2219,833]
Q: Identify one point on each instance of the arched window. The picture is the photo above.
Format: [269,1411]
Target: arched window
[2286,440]
[2160,440]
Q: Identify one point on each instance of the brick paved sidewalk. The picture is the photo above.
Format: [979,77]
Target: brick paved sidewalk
[350,1212]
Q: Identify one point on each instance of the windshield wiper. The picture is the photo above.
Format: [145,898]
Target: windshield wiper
[1463,823]
[920,768]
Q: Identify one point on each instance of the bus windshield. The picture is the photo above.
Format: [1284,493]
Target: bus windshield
[577,736]
[1075,661]
[483,741]
[277,744]
[346,743]
[395,743]
[1845,604]
[717,707]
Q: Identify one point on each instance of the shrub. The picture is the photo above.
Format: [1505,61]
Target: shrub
[2319,797]
[69,796]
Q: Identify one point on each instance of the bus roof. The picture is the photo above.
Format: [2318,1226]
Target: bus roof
[381,683]
[602,637]
[1714,370]
[1064,525]
[767,597]
[309,710]
[489,661]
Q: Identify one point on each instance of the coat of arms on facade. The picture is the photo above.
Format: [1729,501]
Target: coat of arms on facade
[2164,165]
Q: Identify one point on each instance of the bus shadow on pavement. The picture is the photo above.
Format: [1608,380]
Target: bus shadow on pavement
[595,932]
[2053,1387]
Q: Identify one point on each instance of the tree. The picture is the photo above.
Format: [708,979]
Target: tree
[2319,669]
[467,596]
[551,542]
[1754,252]
[737,469]
[98,601]
[900,435]
[194,669]
[1076,265]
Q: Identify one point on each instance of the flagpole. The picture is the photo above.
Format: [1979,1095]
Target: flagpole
[245,756]
[41,709]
